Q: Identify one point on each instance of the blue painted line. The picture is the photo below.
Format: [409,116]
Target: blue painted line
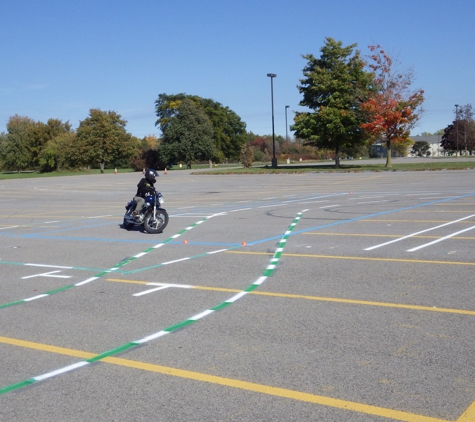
[337,223]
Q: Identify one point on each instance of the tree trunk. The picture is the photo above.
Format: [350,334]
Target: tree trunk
[389,163]
[210,164]
[102,164]
[337,156]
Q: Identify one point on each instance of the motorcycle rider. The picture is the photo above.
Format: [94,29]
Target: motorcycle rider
[144,188]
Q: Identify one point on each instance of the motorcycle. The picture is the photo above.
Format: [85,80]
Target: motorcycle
[155,217]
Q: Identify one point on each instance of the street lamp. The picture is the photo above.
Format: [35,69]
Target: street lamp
[457,128]
[274,159]
[286,136]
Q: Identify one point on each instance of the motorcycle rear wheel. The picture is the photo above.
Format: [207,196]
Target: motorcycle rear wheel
[157,224]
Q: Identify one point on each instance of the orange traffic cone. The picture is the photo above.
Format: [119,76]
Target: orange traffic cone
[165,171]
[115,170]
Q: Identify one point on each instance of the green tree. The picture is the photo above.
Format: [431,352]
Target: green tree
[102,138]
[15,153]
[229,132]
[188,136]
[42,143]
[334,86]
[421,148]
[60,153]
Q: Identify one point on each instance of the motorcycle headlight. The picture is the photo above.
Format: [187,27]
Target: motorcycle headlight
[161,200]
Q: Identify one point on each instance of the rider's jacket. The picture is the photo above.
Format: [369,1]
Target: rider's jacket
[145,188]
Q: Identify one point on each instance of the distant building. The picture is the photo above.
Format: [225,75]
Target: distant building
[434,142]
[378,149]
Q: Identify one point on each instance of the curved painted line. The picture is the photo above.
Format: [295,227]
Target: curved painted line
[267,273]
[104,272]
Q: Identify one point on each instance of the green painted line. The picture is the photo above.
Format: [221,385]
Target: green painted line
[251,287]
[16,386]
[179,325]
[221,306]
[6,305]
[100,274]
[52,292]
[112,352]
[133,344]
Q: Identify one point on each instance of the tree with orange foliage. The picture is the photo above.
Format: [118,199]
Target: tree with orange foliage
[392,109]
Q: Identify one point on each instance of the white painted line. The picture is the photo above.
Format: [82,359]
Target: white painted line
[270,206]
[328,206]
[420,194]
[189,215]
[161,287]
[236,297]
[241,209]
[50,274]
[178,260]
[86,281]
[182,286]
[184,208]
[437,197]
[260,280]
[34,298]
[101,216]
[311,202]
[365,197]
[49,222]
[372,202]
[9,227]
[152,337]
[220,250]
[61,371]
[415,234]
[150,291]
[441,239]
[201,315]
[48,266]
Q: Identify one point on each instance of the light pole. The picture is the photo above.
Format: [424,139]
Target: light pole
[286,136]
[272,76]
[457,128]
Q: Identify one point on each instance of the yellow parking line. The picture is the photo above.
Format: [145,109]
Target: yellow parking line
[233,383]
[386,235]
[359,258]
[468,415]
[412,221]
[321,299]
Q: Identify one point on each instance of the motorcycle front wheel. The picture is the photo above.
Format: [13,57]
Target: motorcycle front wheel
[157,224]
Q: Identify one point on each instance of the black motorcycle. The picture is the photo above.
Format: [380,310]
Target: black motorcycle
[155,217]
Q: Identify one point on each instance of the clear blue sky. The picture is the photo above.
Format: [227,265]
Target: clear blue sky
[59,59]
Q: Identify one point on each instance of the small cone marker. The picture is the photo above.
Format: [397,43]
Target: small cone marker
[165,170]
[185,242]
[115,170]
[243,243]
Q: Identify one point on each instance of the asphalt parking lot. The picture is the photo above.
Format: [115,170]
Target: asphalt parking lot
[305,297]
